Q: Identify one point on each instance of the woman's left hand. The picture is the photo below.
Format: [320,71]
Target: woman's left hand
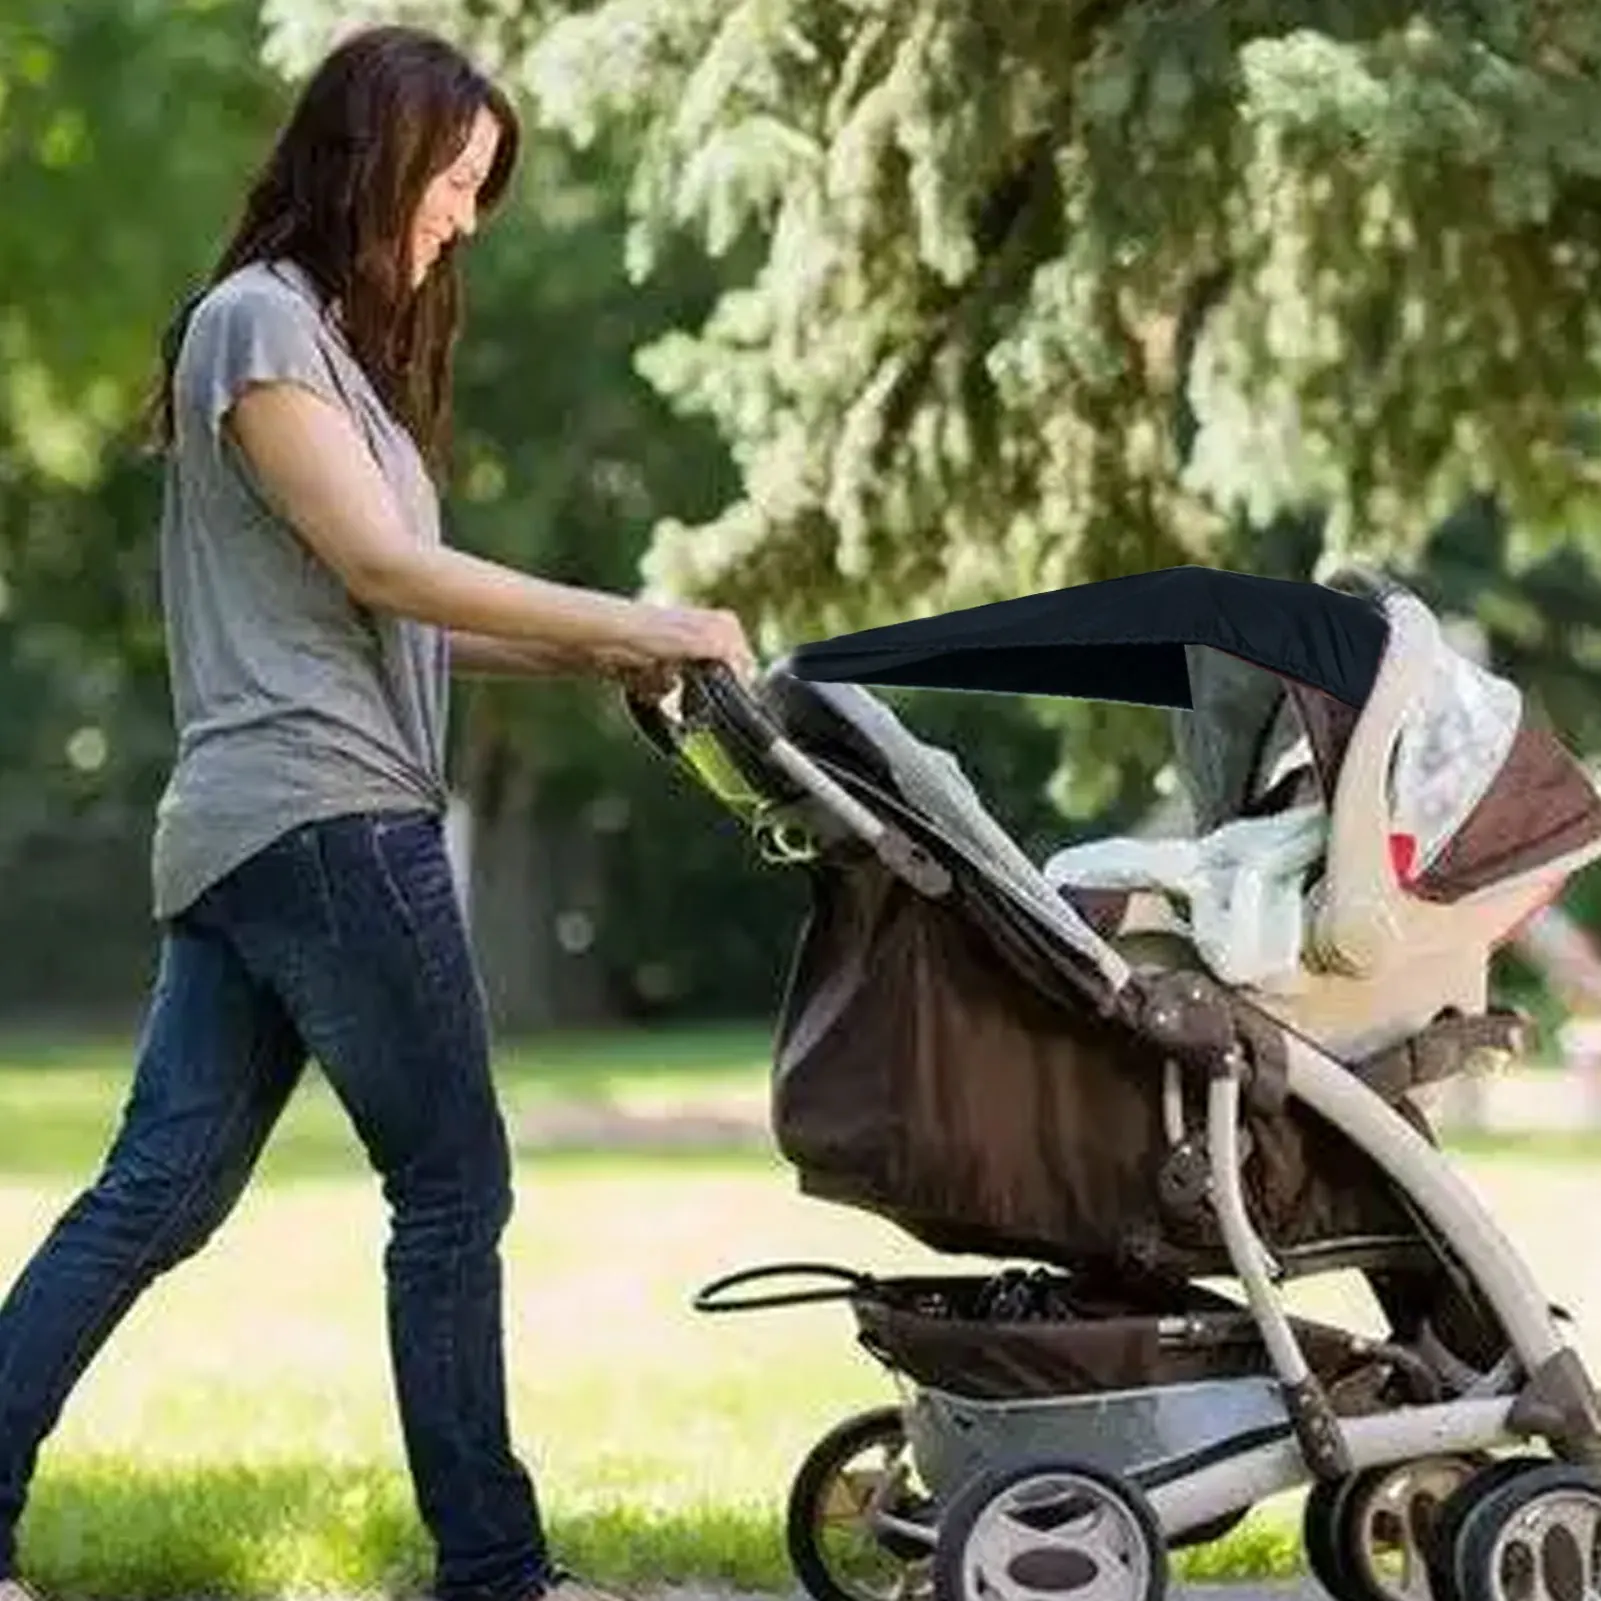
[639,677]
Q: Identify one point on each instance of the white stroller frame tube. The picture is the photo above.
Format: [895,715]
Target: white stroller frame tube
[836,797]
[1332,1091]
[897,853]
[1468,1424]
[909,861]
[1250,1257]
[1252,1476]
[1337,1095]
[1458,1426]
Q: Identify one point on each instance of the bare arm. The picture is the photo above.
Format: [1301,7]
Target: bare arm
[315,469]
[484,656]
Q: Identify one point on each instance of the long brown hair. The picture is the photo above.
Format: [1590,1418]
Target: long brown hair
[387,110]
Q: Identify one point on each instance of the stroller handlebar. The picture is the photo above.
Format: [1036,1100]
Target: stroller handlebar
[710,685]
[710,695]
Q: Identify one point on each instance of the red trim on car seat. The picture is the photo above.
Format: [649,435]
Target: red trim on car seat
[1404,857]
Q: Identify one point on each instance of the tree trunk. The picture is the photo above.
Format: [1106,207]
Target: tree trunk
[513,914]
[532,888]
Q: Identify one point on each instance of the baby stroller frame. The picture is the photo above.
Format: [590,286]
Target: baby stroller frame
[1540,1391]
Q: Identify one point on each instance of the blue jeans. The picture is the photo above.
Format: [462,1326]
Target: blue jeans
[342,941]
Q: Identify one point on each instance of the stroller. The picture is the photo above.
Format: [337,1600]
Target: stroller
[1046,1068]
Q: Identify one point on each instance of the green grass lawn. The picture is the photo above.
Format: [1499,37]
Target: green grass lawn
[58,1098]
[238,1437]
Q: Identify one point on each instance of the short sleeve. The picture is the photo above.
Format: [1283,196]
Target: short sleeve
[247,334]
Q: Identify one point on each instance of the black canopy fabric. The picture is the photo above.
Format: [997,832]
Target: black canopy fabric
[1122,639]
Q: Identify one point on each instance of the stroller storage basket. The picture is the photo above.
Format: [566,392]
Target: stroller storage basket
[1017,1335]
[942,1339]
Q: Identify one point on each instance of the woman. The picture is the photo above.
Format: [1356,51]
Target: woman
[299,869]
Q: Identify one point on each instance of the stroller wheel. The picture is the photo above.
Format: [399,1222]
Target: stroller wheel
[1024,1530]
[1369,1537]
[1534,1537]
[1462,1500]
[859,1473]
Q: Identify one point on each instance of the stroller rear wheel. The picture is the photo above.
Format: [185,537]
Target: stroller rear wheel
[858,1473]
[1025,1529]
[1369,1537]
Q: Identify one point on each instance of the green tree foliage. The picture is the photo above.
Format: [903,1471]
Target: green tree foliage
[950,375]
[125,134]
[125,130]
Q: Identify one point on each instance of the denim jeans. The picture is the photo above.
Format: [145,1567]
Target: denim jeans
[342,941]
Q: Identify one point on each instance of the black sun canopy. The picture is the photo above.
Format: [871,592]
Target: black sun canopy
[1122,639]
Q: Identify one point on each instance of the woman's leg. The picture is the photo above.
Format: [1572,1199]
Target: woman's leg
[217,1062]
[357,925]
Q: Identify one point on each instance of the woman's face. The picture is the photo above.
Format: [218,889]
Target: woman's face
[449,206]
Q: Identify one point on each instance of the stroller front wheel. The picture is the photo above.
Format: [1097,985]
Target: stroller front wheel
[1022,1529]
[858,1474]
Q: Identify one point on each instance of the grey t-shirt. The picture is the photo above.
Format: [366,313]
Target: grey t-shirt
[293,702]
